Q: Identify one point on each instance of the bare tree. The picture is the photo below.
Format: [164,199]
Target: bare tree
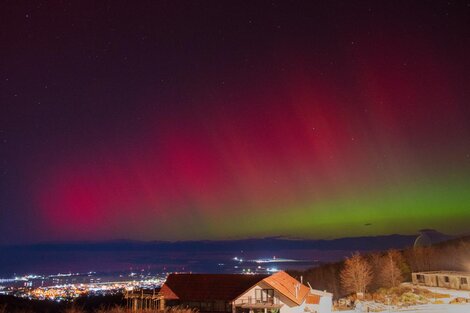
[390,274]
[356,274]
[376,263]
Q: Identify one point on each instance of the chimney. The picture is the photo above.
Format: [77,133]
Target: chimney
[301,279]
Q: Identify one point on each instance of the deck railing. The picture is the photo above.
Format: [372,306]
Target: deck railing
[142,293]
[251,300]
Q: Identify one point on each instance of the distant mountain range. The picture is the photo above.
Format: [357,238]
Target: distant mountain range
[271,243]
[197,256]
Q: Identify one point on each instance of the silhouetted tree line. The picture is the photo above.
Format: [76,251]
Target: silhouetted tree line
[86,304]
[371,271]
[92,304]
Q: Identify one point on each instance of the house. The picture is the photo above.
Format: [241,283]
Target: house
[235,293]
[443,279]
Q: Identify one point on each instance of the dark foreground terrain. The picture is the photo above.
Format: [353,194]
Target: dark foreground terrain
[10,304]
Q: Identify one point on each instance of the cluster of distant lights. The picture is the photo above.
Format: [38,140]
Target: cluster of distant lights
[35,277]
[260,261]
[69,291]
[248,270]
[77,289]
[65,292]
[266,260]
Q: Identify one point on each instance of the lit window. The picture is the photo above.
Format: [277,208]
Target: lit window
[264,295]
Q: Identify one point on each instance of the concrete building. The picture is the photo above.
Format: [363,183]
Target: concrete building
[443,279]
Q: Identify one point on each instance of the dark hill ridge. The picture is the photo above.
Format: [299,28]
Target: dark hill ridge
[203,256]
[270,243]
[444,253]
[197,256]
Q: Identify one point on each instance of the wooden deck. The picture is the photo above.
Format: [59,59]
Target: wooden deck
[144,299]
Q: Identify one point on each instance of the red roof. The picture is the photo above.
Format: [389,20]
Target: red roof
[208,287]
[288,286]
[313,299]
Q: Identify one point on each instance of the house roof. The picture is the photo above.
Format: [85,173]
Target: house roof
[312,299]
[449,273]
[207,287]
[227,287]
[288,286]
[321,293]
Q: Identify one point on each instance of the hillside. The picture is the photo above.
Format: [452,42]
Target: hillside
[452,255]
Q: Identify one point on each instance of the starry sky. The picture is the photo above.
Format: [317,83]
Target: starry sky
[187,120]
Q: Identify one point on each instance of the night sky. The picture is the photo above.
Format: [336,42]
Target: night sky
[177,120]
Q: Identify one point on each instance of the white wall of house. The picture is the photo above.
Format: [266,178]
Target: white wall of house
[443,279]
[251,293]
[288,306]
[326,302]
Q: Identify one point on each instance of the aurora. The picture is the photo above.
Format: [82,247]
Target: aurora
[276,121]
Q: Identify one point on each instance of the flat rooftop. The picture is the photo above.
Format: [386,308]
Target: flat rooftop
[456,273]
